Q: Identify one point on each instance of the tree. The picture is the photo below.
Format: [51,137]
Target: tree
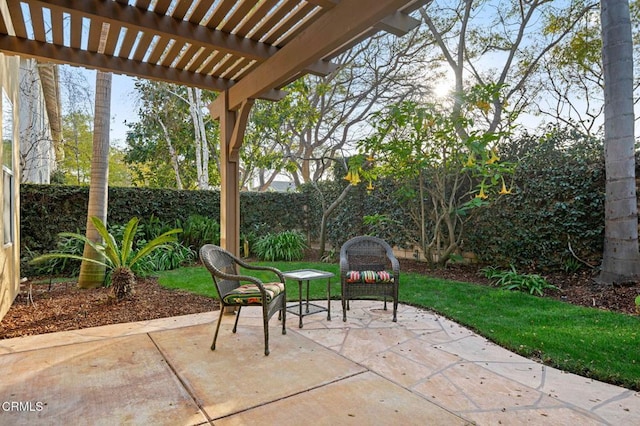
[502,44]
[77,130]
[322,117]
[437,170]
[92,274]
[169,146]
[621,260]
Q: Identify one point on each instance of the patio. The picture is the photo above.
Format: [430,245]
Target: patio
[422,369]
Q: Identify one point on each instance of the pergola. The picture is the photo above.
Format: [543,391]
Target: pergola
[244,49]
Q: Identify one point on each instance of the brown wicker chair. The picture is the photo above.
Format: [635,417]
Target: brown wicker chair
[368,267]
[223,267]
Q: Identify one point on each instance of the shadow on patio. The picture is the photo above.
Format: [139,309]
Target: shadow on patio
[421,370]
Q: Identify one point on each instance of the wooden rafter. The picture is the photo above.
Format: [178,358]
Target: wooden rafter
[341,24]
[159,43]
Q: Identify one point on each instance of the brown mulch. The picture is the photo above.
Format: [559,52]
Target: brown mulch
[62,306]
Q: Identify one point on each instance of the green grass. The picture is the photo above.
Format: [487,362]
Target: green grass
[593,343]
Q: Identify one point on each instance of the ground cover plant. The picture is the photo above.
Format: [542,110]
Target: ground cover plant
[511,280]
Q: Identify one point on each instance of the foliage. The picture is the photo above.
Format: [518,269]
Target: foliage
[512,280]
[119,258]
[75,166]
[282,211]
[286,245]
[557,202]
[77,133]
[58,266]
[198,230]
[172,257]
[153,226]
[160,146]
[445,168]
[380,225]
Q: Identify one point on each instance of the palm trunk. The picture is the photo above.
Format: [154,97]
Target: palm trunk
[620,260]
[91,274]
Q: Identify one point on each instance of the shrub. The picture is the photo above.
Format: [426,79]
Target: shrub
[287,245]
[555,211]
[172,257]
[199,230]
[512,280]
[56,266]
[118,257]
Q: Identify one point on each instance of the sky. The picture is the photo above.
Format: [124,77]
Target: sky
[122,104]
[122,107]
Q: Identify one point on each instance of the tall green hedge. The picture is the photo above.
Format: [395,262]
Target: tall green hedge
[558,202]
[46,210]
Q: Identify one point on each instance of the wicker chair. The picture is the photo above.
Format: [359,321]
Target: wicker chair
[368,267]
[223,267]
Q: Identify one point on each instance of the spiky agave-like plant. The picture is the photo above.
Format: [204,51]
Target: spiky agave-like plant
[118,259]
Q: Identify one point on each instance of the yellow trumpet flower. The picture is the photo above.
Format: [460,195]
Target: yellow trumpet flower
[370,186]
[355,178]
[471,161]
[349,176]
[482,195]
[483,106]
[504,191]
[371,158]
[494,157]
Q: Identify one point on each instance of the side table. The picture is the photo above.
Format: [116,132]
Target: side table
[307,275]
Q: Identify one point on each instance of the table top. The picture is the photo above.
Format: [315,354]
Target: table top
[307,274]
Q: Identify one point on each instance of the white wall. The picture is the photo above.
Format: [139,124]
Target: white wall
[37,156]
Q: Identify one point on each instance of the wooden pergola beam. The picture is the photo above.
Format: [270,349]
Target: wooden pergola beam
[344,22]
[66,55]
[150,22]
[398,24]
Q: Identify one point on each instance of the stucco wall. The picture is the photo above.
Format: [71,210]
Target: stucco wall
[10,252]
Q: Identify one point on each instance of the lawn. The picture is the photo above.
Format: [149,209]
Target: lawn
[594,343]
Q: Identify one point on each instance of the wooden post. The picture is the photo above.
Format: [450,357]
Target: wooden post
[232,128]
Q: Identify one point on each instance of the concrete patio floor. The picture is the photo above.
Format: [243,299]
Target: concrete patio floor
[424,369]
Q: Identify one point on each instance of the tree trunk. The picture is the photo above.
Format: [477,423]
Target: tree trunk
[325,218]
[620,259]
[91,274]
[173,155]
[202,147]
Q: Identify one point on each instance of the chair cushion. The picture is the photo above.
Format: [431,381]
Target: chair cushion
[249,294]
[369,277]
